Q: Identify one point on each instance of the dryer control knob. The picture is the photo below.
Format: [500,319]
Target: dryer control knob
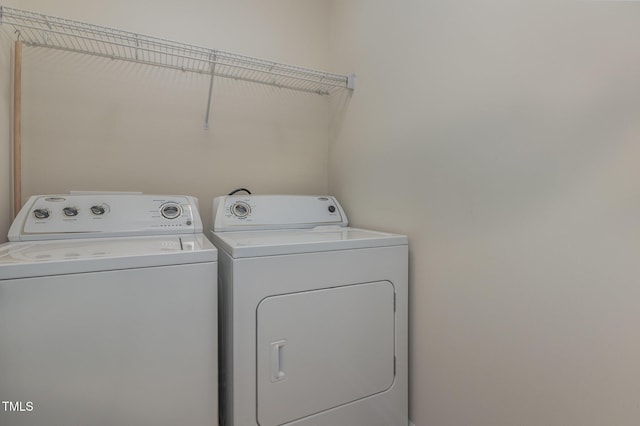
[41,213]
[171,210]
[240,209]
[70,211]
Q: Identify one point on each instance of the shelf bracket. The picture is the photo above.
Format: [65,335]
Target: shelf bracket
[351,81]
[213,73]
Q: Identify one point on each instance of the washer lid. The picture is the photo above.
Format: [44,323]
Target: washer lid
[241,244]
[42,258]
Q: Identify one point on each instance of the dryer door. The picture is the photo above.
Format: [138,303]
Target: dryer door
[320,349]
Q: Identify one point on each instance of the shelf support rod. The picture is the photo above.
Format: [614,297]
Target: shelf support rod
[213,72]
[17,129]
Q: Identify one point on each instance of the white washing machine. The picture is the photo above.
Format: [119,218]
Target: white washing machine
[313,315]
[108,313]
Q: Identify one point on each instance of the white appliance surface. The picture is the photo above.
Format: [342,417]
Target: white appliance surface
[51,257]
[246,212]
[119,328]
[313,319]
[104,214]
[288,241]
[297,368]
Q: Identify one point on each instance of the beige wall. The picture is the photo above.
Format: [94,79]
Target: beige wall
[90,123]
[504,140]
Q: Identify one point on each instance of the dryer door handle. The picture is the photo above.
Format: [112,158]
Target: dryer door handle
[277,361]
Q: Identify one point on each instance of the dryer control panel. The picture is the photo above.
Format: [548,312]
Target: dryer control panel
[90,215]
[261,212]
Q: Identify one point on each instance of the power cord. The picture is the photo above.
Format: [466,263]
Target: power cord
[235,191]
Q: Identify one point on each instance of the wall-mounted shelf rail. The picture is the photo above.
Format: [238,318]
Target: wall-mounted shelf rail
[36,29]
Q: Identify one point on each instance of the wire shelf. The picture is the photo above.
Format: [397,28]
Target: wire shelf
[36,29]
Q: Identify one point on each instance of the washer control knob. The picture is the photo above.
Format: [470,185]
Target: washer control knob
[240,209]
[99,209]
[332,209]
[41,213]
[171,210]
[70,211]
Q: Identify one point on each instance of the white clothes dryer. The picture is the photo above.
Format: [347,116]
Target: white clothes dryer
[108,313]
[313,315]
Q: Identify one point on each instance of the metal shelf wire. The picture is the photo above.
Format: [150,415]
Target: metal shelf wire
[36,29]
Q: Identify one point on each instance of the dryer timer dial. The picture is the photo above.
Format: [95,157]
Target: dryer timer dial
[240,209]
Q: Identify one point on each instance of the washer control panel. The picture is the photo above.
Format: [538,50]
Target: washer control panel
[243,212]
[105,215]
